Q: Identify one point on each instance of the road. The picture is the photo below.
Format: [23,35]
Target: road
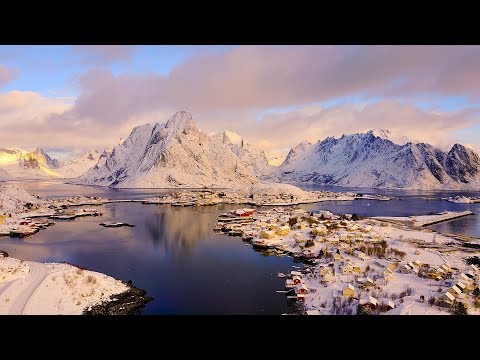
[38,272]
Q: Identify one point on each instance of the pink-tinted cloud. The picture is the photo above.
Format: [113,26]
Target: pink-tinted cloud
[229,89]
[280,131]
[102,54]
[6,75]
[254,77]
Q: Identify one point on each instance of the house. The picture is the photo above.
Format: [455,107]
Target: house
[347,269]
[447,298]
[297,280]
[267,234]
[323,270]
[454,290]
[461,286]
[356,268]
[366,282]
[328,278]
[301,289]
[296,273]
[367,228]
[282,230]
[393,266]
[434,274]
[446,267]
[334,239]
[299,238]
[464,278]
[417,263]
[359,254]
[388,274]
[337,257]
[319,230]
[390,304]
[474,268]
[349,291]
[405,269]
[301,297]
[370,302]
[342,235]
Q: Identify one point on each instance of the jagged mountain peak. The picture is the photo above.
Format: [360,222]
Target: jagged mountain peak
[368,160]
[180,121]
[173,154]
[232,137]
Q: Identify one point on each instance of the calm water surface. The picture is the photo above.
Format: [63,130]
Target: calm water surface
[174,255]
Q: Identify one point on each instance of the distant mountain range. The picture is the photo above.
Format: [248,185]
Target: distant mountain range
[16,163]
[178,154]
[372,160]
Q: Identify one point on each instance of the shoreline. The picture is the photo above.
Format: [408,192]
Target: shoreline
[35,288]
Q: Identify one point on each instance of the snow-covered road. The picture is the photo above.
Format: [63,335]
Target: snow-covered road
[38,272]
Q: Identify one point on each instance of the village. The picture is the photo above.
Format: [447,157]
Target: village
[21,213]
[362,266]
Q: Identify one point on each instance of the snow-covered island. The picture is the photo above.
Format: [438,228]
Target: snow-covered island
[355,266]
[462,199]
[33,288]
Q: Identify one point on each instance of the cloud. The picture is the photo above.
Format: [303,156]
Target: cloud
[232,89]
[258,77]
[6,75]
[102,54]
[285,130]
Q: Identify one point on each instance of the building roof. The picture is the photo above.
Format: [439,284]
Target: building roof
[449,296]
[456,289]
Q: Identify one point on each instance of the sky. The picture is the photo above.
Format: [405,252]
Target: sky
[70,99]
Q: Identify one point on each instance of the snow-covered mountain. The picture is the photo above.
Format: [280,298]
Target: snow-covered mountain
[253,157]
[80,164]
[171,154]
[4,176]
[23,164]
[372,160]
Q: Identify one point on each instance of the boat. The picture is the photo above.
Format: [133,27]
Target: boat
[281,275]
[115,224]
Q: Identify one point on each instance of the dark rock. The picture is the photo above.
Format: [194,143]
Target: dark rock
[130,302]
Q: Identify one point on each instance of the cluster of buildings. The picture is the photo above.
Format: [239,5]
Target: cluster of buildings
[351,258]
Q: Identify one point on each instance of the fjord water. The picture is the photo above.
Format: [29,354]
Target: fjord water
[174,255]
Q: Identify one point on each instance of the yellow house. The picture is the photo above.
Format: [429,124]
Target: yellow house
[337,257]
[282,230]
[347,269]
[392,266]
[324,270]
[356,268]
[349,291]
[268,234]
[2,217]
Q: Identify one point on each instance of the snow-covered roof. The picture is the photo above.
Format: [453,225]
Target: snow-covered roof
[449,296]
[456,289]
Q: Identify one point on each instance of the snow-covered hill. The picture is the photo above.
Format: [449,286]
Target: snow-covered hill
[171,154]
[372,160]
[23,164]
[80,164]
[253,157]
[13,199]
